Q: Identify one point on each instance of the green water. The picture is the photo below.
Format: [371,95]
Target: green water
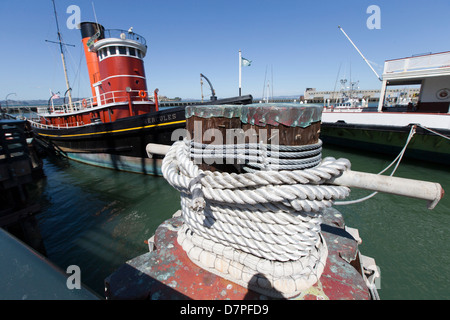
[99,218]
[410,243]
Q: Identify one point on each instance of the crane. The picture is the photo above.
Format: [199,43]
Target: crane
[213,93]
[379,78]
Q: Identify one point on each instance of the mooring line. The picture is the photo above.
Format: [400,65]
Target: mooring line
[396,160]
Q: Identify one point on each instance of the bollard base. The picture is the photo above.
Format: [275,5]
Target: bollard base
[166,273]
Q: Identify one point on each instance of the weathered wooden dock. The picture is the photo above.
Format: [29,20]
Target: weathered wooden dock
[19,166]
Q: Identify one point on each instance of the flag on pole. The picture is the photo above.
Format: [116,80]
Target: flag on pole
[245,62]
[242,63]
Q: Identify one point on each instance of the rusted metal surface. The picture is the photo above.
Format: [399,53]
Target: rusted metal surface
[167,273]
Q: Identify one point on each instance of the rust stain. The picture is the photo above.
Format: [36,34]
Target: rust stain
[167,272]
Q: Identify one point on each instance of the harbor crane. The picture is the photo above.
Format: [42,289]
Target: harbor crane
[213,93]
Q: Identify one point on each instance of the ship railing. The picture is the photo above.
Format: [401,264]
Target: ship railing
[124,96]
[35,123]
[416,63]
[76,106]
[125,34]
[106,98]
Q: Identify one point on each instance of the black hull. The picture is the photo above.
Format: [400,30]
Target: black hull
[127,136]
[124,140]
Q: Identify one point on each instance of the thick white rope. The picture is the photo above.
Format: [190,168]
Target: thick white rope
[272,217]
[435,132]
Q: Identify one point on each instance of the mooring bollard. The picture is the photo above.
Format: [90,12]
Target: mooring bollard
[246,227]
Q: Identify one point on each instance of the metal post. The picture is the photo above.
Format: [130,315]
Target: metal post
[130,105]
[240,71]
[424,190]
[382,95]
[155,94]
[62,57]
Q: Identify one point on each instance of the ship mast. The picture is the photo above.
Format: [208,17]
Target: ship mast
[62,57]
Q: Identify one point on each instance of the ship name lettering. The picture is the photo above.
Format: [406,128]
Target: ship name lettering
[168,117]
[150,120]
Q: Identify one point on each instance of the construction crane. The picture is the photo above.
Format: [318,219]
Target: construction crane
[213,93]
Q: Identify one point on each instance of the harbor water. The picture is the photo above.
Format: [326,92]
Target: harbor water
[98,219]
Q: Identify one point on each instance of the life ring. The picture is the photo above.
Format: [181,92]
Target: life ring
[84,103]
[443,94]
[142,94]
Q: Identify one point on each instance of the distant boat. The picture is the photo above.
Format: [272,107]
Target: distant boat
[112,128]
[347,101]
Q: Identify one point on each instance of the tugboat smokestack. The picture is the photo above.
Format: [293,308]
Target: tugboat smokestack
[90,33]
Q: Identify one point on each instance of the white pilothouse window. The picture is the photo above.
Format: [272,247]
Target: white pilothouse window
[119,50]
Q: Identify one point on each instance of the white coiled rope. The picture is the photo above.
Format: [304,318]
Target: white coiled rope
[260,224]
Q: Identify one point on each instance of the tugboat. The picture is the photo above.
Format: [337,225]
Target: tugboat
[112,128]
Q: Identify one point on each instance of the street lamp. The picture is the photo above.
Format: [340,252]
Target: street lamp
[6,100]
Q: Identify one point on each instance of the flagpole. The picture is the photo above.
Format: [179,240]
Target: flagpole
[240,71]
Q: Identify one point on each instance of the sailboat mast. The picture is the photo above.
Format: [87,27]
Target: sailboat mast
[62,57]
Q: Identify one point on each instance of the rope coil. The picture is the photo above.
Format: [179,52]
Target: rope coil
[259,156]
[271,217]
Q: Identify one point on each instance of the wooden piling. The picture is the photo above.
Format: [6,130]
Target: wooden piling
[271,123]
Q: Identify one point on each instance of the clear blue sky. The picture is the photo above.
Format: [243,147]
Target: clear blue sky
[298,40]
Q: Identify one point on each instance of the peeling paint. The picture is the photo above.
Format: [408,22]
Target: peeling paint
[315,292]
[167,272]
